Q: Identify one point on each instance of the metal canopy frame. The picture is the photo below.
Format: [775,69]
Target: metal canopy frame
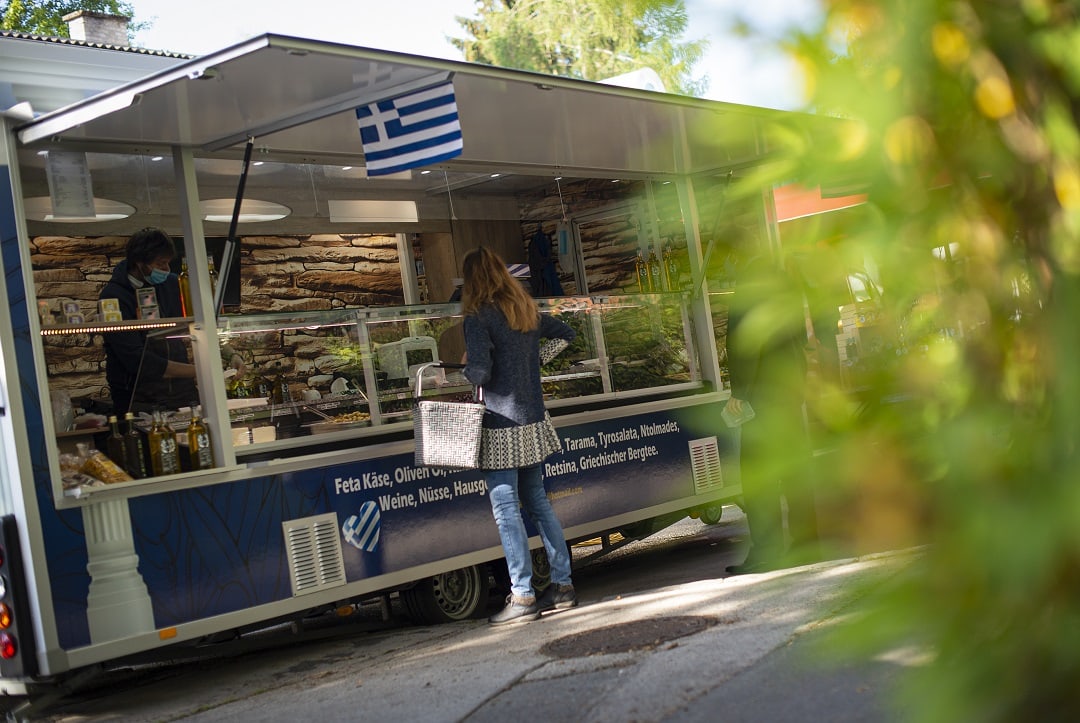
[296,98]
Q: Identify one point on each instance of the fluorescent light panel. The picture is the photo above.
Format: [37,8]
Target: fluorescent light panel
[371,211]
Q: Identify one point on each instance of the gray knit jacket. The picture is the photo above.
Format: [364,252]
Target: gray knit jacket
[506,363]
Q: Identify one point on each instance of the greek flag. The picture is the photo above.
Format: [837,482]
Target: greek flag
[362,529]
[519,271]
[411,130]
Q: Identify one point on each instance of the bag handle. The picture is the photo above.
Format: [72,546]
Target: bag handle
[478,394]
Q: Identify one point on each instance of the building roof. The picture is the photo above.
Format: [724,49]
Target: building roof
[295,100]
[101,46]
[297,97]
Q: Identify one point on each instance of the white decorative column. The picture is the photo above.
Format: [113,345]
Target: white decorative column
[118,604]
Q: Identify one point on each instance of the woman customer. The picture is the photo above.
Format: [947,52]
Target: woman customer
[503,331]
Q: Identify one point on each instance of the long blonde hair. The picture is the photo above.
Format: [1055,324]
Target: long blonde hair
[486,281]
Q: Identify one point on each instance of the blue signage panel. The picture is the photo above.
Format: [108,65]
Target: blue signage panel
[219,549]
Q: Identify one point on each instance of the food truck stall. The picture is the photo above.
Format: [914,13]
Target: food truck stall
[319,282]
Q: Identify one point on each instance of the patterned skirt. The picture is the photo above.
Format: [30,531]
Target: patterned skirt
[521,446]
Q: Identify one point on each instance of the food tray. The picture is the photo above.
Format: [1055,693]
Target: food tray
[327,427]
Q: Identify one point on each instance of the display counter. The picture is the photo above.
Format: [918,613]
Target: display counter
[302,383]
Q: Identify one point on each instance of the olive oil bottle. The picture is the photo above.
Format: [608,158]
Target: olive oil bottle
[656,284]
[213,274]
[134,449]
[164,457]
[280,392]
[261,386]
[671,269]
[115,442]
[641,271]
[185,289]
[198,439]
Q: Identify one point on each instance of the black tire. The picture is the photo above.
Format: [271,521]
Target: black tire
[711,515]
[637,530]
[500,580]
[455,595]
[541,570]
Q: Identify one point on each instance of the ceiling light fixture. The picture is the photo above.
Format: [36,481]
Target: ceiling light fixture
[40,208]
[252,210]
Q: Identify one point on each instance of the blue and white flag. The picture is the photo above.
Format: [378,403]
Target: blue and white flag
[519,271]
[411,130]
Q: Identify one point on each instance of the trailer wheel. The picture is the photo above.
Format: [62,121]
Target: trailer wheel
[711,514]
[541,569]
[455,595]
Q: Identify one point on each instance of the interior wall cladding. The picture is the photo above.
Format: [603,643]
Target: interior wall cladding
[611,249]
[277,273]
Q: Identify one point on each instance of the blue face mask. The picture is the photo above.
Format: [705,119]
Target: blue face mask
[157,276]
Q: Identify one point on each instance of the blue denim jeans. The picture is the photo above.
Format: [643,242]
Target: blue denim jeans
[508,487]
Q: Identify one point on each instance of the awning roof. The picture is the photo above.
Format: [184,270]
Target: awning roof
[296,96]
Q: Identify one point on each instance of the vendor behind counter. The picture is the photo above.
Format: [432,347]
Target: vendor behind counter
[146,371]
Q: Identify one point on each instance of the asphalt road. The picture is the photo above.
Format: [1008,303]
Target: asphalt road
[661,634]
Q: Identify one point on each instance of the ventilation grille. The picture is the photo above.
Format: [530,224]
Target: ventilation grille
[314,549]
[705,464]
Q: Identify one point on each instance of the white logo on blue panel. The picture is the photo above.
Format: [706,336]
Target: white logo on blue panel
[362,529]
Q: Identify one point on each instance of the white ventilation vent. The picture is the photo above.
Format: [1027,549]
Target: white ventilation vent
[705,464]
[314,548]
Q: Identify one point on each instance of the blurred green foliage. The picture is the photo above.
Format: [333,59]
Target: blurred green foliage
[590,39]
[960,123]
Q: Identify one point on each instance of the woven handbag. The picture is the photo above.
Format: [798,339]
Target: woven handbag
[447,434]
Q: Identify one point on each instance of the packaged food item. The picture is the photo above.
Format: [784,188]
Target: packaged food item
[100,466]
[62,409]
[147,296]
[90,421]
[70,463]
[45,314]
[75,480]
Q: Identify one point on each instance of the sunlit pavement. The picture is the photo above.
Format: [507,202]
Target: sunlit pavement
[749,655]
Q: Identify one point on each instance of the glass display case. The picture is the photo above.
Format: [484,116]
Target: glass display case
[306,382]
[311,379]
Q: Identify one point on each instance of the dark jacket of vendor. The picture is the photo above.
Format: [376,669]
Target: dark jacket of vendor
[147,371]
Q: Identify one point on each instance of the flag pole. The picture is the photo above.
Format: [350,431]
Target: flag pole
[230,242]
